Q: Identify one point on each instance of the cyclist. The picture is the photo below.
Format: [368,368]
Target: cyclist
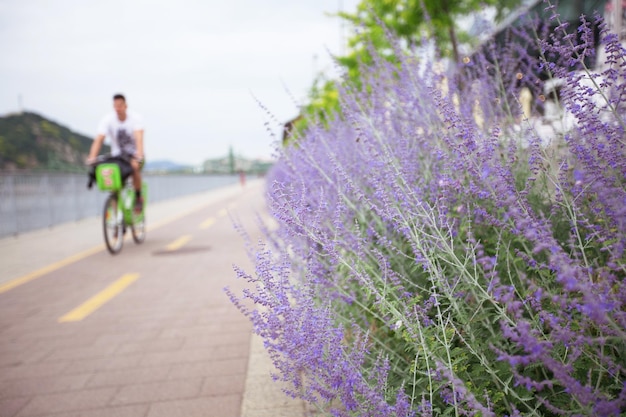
[125,130]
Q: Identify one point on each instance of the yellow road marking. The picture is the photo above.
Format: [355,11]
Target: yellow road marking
[207,223]
[222,212]
[155,225]
[46,269]
[74,258]
[152,226]
[178,243]
[99,299]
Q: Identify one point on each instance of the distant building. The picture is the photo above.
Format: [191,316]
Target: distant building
[288,128]
[232,164]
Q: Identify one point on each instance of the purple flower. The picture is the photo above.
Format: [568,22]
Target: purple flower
[426,258]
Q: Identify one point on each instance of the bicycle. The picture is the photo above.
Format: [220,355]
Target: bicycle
[119,206]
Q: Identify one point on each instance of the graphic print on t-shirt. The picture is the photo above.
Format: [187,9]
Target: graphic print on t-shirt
[125,142]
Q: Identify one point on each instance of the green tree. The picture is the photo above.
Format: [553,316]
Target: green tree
[410,21]
[413,20]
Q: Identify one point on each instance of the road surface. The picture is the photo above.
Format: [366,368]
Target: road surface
[145,333]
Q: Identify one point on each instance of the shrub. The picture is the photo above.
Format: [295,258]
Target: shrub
[435,255]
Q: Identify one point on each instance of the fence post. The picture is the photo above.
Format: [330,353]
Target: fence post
[13,203]
[74,189]
[45,181]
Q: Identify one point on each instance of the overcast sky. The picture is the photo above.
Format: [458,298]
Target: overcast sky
[192,68]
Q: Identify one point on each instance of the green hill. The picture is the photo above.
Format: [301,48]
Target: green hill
[30,141]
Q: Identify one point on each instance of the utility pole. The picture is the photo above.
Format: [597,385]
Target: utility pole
[618,11]
[231,160]
[342,51]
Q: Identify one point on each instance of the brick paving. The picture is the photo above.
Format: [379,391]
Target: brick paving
[171,344]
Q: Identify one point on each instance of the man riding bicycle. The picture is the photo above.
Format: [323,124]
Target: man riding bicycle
[125,129]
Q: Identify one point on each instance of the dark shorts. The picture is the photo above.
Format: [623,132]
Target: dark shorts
[124,163]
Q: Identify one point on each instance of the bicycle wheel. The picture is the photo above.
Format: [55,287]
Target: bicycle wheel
[138,228]
[113,224]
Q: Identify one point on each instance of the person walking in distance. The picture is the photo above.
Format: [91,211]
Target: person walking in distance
[125,130]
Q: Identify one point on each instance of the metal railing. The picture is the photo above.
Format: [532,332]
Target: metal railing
[31,201]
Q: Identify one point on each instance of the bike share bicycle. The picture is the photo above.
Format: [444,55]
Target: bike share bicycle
[119,207]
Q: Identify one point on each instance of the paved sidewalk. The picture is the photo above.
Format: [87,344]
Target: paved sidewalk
[169,344]
[31,251]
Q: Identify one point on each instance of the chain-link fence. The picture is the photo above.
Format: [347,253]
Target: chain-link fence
[30,201]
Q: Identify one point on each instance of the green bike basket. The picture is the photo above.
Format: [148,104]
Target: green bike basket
[109,177]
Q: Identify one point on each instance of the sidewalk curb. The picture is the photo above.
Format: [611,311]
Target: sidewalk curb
[263,397]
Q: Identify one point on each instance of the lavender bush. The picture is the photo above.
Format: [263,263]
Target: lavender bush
[436,256]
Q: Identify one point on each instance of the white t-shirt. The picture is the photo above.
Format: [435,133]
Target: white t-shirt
[121,133]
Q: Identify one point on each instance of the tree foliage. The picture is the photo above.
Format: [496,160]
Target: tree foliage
[30,141]
[412,22]
[322,106]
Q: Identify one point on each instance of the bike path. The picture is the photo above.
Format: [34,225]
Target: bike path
[148,332]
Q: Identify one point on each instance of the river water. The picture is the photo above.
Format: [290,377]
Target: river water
[31,201]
